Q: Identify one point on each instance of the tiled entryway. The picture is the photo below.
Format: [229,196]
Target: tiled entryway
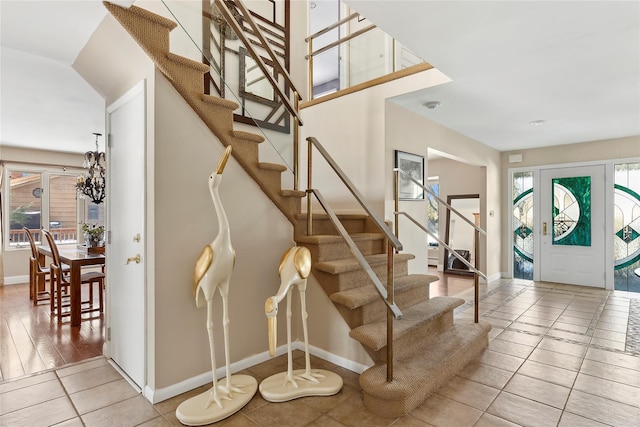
[559,355]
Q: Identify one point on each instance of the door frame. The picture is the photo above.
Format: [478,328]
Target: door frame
[608,212]
[135,91]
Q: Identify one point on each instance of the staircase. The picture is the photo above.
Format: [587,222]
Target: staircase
[429,347]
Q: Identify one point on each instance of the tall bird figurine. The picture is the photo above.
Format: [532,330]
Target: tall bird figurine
[213,271]
[294,269]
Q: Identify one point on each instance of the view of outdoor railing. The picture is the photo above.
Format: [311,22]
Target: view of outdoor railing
[61,235]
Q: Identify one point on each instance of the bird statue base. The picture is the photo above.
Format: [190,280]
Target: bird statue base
[277,388]
[194,411]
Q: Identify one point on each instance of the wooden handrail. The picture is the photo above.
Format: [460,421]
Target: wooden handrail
[332,26]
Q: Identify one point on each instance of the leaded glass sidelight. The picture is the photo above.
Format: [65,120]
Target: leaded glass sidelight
[572,211]
[523,225]
[626,228]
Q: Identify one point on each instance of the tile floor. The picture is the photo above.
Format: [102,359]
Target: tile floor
[559,356]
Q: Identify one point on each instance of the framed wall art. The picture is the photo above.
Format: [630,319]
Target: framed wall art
[412,164]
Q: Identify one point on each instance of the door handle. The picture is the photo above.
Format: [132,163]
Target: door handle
[544,228]
[135,259]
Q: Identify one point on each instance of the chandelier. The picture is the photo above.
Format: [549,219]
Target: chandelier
[92,185]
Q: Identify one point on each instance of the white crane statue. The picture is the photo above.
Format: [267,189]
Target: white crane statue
[213,271]
[294,269]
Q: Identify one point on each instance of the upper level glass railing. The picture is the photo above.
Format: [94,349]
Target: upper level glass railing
[266,100]
[350,52]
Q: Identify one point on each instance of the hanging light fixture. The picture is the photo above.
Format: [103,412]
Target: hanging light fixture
[93,185]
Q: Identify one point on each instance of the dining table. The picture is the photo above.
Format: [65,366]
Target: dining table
[76,258]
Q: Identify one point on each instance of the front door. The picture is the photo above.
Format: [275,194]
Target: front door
[572,225]
[125,253]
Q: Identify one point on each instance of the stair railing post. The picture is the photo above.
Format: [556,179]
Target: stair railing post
[476,244]
[296,130]
[309,213]
[395,201]
[390,299]
[310,94]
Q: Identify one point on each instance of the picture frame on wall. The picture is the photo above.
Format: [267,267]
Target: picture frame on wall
[412,164]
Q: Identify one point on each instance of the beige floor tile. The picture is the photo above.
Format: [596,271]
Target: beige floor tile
[155,422]
[74,422]
[567,335]
[170,405]
[470,393]
[324,404]
[29,396]
[44,414]
[608,344]
[524,411]
[610,372]
[610,335]
[499,360]
[26,382]
[352,413]
[578,314]
[535,321]
[102,395]
[236,420]
[562,347]
[484,374]
[500,323]
[90,378]
[510,310]
[326,421]
[617,359]
[130,412]
[540,314]
[494,332]
[520,337]
[503,316]
[84,366]
[615,327]
[612,390]
[578,329]
[538,390]
[552,374]
[488,420]
[603,410]
[291,413]
[572,420]
[511,348]
[573,320]
[553,358]
[528,328]
[442,412]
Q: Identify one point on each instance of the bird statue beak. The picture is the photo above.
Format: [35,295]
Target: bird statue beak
[223,160]
[270,310]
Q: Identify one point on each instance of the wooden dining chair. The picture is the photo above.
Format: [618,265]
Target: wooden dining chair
[39,275]
[61,285]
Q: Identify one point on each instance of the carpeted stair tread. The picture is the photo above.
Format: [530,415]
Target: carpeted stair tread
[293,193]
[150,16]
[417,376]
[333,238]
[221,102]
[323,215]
[272,166]
[374,335]
[198,66]
[247,136]
[363,295]
[351,264]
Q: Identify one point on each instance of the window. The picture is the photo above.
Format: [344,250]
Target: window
[46,199]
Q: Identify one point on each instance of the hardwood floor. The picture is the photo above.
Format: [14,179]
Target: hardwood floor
[30,341]
[449,284]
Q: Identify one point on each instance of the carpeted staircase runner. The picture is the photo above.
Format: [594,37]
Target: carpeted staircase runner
[429,347]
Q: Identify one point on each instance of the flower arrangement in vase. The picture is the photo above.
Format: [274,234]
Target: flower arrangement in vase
[93,237]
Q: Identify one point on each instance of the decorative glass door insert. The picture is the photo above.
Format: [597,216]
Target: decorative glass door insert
[572,211]
[626,228]
[523,215]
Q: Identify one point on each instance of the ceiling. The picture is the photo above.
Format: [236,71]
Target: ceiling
[44,103]
[573,64]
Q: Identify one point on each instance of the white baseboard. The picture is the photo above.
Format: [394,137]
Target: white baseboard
[16,280]
[158,395]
